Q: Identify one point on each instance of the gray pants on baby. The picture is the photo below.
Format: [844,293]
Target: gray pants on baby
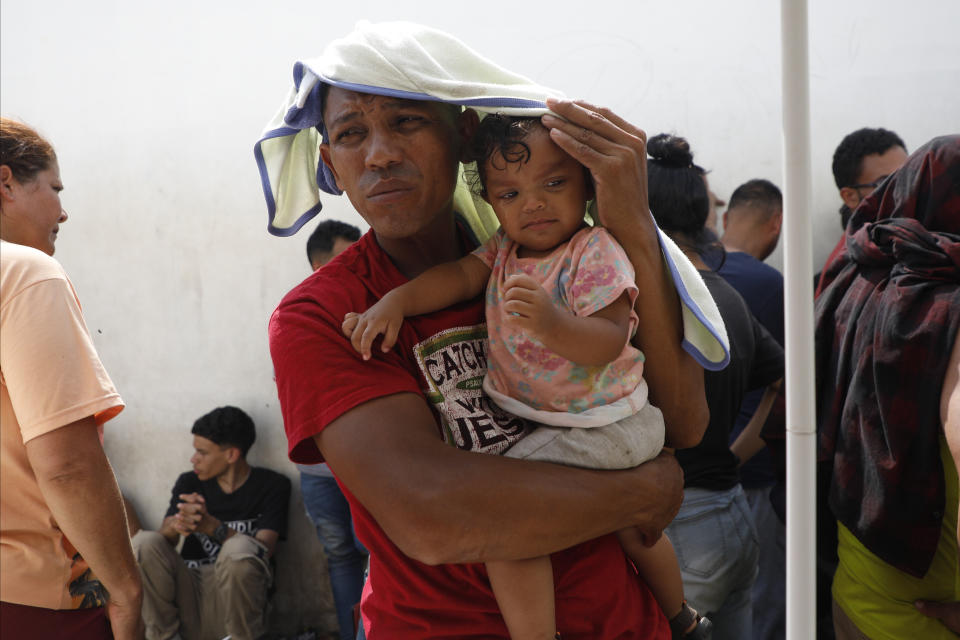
[621,445]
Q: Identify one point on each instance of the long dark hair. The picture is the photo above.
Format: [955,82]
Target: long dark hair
[679,198]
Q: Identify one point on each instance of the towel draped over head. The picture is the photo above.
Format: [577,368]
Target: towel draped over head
[398,59]
[407,60]
[886,322]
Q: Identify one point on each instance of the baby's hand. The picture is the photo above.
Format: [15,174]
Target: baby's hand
[530,305]
[384,318]
[350,323]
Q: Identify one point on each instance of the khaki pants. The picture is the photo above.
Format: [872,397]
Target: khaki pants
[206,603]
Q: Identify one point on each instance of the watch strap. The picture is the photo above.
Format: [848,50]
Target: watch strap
[220,533]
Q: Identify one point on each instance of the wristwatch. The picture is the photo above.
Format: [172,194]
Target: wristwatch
[220,533]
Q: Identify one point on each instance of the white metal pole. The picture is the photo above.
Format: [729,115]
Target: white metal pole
[798,308]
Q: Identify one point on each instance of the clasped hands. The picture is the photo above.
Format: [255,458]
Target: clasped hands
[192,515]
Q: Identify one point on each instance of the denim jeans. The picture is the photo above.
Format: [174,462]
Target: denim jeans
[716,545]
[770,589]
[330,513]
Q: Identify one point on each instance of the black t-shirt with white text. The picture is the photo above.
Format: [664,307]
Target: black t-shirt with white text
[259,503]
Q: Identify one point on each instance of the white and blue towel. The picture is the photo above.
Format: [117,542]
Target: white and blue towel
[406,60]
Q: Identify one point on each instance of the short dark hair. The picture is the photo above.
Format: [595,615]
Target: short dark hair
[227,427]
[848,158]
[326,233]
[759,193]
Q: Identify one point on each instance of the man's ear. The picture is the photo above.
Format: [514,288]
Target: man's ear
[325,157]
[723,219]
[776,222]
[6,182]
[233,454]
[467,124]
[850,197]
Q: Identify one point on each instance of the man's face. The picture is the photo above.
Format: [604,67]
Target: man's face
[321,258]
[774,226]
[209,459]
[715,202]
[873,169]
[397,160]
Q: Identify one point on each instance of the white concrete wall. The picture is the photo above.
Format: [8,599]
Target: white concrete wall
[154,109]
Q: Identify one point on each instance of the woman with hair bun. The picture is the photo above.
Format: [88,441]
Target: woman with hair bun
[714,534]
[68,568]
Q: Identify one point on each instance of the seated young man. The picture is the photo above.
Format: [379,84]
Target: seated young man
[231,515]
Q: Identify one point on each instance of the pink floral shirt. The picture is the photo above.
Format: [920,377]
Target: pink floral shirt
[584,275]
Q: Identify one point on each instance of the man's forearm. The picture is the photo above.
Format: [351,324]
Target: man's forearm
[81,491]
[442,505]
[539,508]
[169,531]
[268,538]
[194,518]
[615,152]
[749,442]
[675,379]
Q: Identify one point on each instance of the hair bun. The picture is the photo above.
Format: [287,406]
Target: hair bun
[670,150]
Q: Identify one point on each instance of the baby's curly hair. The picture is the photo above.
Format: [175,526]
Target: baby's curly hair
[498,134]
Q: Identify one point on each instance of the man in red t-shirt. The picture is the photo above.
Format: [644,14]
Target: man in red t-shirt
[431,513]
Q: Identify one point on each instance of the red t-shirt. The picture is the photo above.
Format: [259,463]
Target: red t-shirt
[442,357]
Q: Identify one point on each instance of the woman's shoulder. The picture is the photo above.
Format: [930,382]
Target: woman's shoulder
[18,256]
[23,266]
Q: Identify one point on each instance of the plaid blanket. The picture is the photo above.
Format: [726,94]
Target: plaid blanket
[885,327]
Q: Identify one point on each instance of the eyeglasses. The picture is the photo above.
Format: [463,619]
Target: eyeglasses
[870,185]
